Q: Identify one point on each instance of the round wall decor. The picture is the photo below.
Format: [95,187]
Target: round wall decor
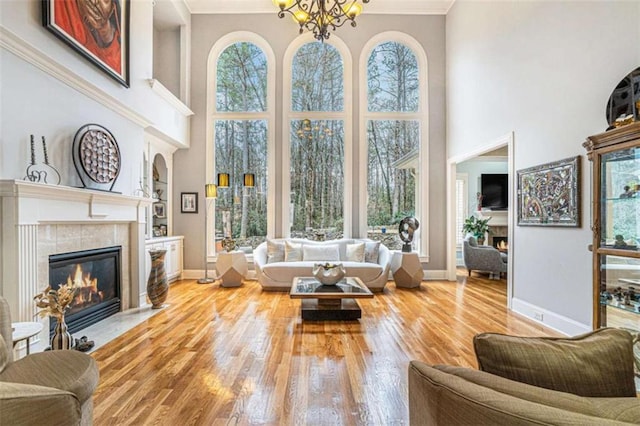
[96,156]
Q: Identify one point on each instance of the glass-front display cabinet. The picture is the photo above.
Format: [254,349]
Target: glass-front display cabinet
[615,157]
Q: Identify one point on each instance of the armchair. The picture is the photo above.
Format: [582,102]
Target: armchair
[482,258]
[47,388]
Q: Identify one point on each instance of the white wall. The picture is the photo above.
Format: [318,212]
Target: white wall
[35,102]
[544,70]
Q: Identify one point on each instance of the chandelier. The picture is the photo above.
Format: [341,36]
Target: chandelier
[320,16]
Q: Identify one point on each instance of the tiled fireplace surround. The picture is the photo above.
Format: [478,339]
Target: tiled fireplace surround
[38,220]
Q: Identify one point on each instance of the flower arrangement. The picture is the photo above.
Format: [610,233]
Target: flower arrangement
[55,302]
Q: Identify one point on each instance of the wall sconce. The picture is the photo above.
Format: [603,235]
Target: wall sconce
[223,180]
[210,192]
[249,180]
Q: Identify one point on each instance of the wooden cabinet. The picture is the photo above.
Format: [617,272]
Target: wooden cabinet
[172,259]
[615,157]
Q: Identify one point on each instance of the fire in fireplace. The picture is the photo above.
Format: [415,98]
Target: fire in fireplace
[501,243]
[96,273]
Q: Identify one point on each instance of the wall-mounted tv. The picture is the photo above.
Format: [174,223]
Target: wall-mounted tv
[495,191]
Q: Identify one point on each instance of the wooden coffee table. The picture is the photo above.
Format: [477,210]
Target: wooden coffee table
[330,302]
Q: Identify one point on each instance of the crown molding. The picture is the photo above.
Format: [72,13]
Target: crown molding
[25,51]
[386,7]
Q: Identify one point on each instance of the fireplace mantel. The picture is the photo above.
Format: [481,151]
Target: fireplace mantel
[28,207]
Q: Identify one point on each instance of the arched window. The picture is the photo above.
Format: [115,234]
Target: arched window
[394,121]
[241,122]
[318,133]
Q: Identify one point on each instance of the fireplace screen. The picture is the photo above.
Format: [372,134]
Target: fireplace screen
[96,273]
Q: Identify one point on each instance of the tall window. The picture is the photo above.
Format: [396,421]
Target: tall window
[393,130]
[317,141]
[240,143]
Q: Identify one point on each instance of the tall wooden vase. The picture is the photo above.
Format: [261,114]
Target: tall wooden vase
[61,337]
[157,286]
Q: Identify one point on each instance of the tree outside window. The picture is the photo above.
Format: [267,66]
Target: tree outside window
[317,142]
[240,129]
[393,136]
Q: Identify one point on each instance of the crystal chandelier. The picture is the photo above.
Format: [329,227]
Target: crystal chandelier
[320,16]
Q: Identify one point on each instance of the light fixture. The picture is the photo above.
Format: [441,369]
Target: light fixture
[210,192]
[320,16]
[249,180]
[223,180]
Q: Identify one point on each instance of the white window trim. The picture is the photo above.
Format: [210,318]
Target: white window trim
[422,116]
[213,115]
[344,115]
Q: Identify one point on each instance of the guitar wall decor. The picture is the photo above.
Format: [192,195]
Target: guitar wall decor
[41,172]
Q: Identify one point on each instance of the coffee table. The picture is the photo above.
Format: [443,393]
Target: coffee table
[330,302]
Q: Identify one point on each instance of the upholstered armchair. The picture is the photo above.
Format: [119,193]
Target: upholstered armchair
[483,258]
[46,388]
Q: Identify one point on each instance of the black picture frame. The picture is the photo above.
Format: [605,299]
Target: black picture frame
[549,194]
[188,202]
[110,56]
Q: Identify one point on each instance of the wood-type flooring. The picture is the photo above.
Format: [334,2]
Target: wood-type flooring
[219,356]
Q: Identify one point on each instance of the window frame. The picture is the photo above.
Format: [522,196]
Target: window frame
[289,115]
[212,115]
[421,116]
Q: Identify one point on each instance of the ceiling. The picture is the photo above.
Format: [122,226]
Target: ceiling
[404,7]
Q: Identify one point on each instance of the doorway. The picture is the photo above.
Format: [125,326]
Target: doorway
[504,146]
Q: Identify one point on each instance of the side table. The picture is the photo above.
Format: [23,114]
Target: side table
[406,269]
[231,268]
[24,330]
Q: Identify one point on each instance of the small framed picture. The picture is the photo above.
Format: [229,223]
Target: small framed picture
[163,230]
[189,202]
[159,210]
[156,231]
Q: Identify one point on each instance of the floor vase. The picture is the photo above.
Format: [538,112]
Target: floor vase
[61,337]
[157,286]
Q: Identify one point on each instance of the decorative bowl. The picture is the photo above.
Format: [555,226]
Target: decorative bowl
[328,273]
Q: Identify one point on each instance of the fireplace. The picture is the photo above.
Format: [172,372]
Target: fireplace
[96,273]
[501,243]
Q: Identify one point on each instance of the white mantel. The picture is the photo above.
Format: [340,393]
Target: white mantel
[498,217]
[26,206]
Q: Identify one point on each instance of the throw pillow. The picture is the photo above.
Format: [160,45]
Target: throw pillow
[292,252]
[371,251]
[355,252]
[275,251]
[324,252]
[4,358]
[595,364]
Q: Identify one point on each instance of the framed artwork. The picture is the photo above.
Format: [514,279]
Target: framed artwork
[159,210]
[163,230]
[549,194]
[189,202]
[98,30]
[157,232]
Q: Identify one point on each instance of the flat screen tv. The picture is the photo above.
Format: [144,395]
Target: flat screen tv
[494,190]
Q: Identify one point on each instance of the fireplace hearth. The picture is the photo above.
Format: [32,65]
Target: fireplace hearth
[97,274]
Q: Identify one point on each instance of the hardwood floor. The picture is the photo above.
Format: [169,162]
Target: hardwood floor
[218,355]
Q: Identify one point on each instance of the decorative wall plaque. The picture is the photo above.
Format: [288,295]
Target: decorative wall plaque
[96,157]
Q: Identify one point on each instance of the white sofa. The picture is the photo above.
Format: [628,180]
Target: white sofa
[279,275]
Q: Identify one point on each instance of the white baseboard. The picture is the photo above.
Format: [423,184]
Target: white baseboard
[549,319]
[435,275]
[194,274]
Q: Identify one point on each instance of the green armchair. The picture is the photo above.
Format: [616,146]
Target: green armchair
[585,380]
[47,388]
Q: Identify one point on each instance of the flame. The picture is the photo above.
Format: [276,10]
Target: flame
[502,245]
[87,286]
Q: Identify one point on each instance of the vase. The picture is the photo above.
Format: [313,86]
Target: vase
[157,286]
[61,337]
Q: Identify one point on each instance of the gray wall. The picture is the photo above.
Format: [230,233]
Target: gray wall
[545,71]
[206,29]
